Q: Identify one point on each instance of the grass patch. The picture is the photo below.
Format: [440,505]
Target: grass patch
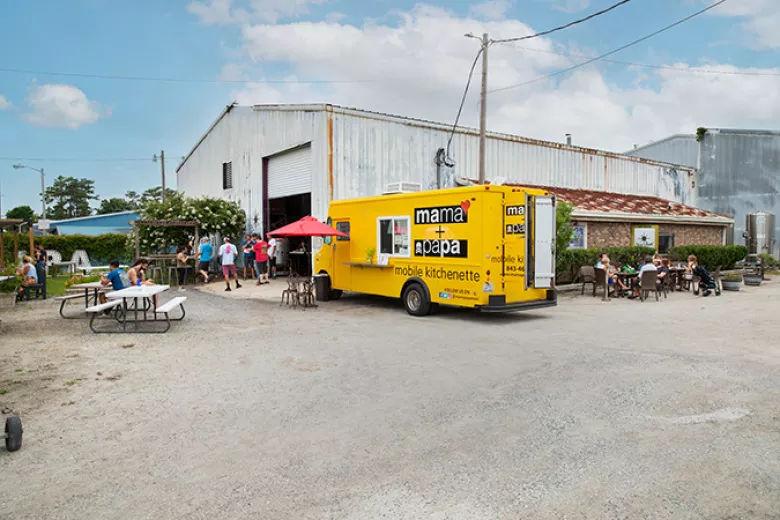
[70,383]
[4,391]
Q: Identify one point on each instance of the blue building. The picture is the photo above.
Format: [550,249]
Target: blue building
[94,224]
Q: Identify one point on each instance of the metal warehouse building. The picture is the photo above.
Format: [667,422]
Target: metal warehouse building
[738,170]
[281,162]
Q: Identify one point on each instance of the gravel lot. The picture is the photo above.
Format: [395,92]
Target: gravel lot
[357,411]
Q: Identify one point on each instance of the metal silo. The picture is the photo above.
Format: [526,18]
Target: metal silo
[760,233]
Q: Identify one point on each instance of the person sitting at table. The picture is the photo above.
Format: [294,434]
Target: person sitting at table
[693,263]
[647,266]
[663,269]
[138,272]
[117,277]
[28,272]
[612,277]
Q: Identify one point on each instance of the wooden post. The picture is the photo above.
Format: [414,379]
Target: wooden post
[137,240]
[32,243]
[16,245]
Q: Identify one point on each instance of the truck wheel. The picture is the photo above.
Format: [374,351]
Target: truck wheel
[13,432]
[416,300]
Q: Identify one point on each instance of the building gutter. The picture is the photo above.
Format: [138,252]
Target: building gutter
[598,216]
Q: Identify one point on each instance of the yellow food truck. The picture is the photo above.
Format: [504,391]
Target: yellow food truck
[491,248]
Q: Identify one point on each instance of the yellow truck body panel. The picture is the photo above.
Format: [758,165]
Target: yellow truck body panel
[479,246]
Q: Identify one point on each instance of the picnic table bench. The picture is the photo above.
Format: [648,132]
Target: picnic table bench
[132,301]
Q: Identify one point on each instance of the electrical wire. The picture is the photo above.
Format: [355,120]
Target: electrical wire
[447,159]
[562,27]
[696,70]
[71,159]
[610,53]
[185,80]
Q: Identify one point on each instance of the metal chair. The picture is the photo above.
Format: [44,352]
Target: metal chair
[291,292]
[587,275]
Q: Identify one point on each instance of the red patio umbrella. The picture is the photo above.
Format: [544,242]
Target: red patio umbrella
[307,227]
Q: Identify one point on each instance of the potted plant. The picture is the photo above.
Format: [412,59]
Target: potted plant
[732,282]
[370,255]
[753,279]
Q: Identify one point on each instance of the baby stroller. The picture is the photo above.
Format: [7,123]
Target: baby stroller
[706,282]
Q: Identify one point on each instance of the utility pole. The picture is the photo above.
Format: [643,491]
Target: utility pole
[162,166]
[43,193]
[483,108]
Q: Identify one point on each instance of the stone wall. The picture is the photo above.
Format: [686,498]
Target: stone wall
[614,234]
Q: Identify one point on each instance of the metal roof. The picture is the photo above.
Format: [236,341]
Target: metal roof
[380,116]
[611,205]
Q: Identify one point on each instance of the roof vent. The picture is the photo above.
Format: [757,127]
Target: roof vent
[402,187]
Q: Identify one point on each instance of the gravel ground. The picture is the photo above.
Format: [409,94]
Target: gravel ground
[357,411]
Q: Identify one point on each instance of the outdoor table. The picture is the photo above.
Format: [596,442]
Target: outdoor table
[95,287]
[628,280]
[300,265]
[145,293]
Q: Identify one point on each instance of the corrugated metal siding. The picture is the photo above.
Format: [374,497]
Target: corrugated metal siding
[245,136]
[371,152]
[740,174]
[677,149]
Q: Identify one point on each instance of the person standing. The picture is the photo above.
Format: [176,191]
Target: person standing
[228,253]
[271,256]
[181,265]
[205,252]
[261,259]
[41,257]
[249,255]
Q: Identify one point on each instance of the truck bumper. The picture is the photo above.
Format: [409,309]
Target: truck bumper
[499,303]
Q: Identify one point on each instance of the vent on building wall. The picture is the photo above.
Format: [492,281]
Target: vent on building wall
[227,175]
[402,187]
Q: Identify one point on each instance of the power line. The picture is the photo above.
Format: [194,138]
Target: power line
[697,70]
[562,27]
[462,102]
[190,80]
[72,159]
[610,53]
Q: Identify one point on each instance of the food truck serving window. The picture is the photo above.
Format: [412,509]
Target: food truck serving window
[393,236]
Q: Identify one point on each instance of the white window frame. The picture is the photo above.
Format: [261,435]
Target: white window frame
[408,220]
[584,226]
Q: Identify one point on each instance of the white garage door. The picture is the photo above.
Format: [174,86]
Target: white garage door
[290,173]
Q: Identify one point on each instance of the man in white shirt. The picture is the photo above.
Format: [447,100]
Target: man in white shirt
[228,253]
[647,266]
[271,256]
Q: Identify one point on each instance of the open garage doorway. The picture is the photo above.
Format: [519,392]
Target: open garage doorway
[287,179]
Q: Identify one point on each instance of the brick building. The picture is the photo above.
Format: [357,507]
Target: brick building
[603,219]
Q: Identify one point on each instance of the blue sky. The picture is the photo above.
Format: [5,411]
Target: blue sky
[85,127]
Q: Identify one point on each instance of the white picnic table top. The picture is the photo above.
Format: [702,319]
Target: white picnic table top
[4,278]
[139,291]
[88,286]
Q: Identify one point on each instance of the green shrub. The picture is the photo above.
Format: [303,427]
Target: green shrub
[710,257]
[769,260]
[570,261]
[101,249]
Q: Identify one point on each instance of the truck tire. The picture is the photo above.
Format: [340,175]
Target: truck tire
[335,294]
[416,300]
[13,432]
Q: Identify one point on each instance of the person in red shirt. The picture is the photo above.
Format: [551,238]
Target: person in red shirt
[261,259]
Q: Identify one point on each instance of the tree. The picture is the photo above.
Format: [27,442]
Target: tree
[563,227]
[25,213]
[152,195]
[115,205]
[69,197]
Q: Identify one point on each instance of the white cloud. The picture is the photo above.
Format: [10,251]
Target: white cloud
[571,6]
[425,59]
[491,9]
[4,103]
[762,20]
[62,106]
[335,17]
[223,12]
